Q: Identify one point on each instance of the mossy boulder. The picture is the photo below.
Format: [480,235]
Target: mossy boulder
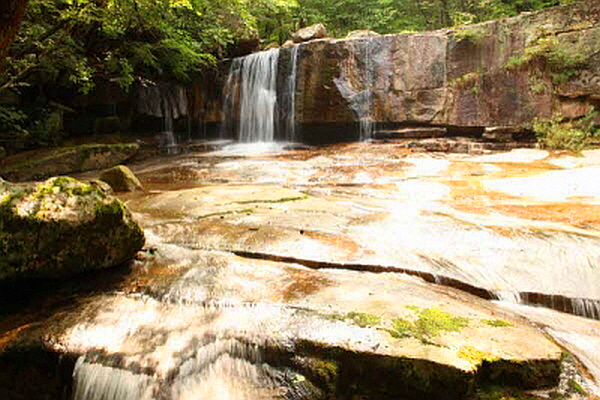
[37,165]
[121,179]
[62,227]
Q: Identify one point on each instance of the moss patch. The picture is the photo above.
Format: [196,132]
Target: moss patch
[497,323]
[431,323]
[474,356]
[361,319]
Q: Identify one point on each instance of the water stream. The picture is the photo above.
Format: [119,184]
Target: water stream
[291,115]
[258,96]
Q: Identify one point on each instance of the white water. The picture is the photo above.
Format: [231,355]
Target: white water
[365,115]
[98,382]
[291,129]
[258,96]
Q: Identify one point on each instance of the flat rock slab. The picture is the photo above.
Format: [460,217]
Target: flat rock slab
[41,164]
[472,220]
[288,306]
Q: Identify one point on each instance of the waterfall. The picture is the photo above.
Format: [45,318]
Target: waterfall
[291,129]
[98,382]
[258,96]
[357,92]
[365,113]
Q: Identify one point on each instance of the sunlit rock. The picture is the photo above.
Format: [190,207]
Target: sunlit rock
[317,31]
[62,227]
[121,179]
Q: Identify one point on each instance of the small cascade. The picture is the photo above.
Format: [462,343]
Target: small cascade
[291,128]
[356,82]
[366,106]
[98,382]
[258,96]
[587,308]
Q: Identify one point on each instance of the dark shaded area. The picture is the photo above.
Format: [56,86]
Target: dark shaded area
[25,303]
[36,374]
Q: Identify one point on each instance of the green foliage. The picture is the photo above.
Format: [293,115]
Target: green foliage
[387,16]
[431,323]
[562,58]
[558,134]
[75,43]
[470,34]
[12,120]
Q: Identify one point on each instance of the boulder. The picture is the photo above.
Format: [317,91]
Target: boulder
[62,227]
[361,34]
[121,179]
[288,44]
[37,165]
[312,32]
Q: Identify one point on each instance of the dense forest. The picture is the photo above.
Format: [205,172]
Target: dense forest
[70,45]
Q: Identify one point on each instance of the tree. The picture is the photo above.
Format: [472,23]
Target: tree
[11,13]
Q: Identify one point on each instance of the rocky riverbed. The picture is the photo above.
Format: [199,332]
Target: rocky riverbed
[352,271]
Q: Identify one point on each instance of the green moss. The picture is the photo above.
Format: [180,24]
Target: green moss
[361,319]
[577,388]
[563,59]
[114,208]
[497,323]
[431,323]
[475,356]
[500,393]
[402,328]
[66,185]
[539,88]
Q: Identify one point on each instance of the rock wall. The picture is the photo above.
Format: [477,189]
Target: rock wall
[483,75]
[499,73]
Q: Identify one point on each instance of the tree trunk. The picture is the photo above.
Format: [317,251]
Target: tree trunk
[11,13]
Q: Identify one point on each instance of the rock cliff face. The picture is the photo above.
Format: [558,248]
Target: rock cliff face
[500,73]
[497,73]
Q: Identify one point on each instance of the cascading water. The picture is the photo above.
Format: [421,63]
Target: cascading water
[291,128]
[365,113]
[258,96]
[357,88]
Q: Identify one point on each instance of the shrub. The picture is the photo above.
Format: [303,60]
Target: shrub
[557,134]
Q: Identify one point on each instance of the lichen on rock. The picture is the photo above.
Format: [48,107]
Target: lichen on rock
[62,227]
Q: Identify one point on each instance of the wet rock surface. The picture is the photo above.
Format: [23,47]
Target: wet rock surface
[356,271]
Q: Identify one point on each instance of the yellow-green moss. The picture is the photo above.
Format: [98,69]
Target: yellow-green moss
[475,356]
[361,319]
[431,323]
[497,323]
